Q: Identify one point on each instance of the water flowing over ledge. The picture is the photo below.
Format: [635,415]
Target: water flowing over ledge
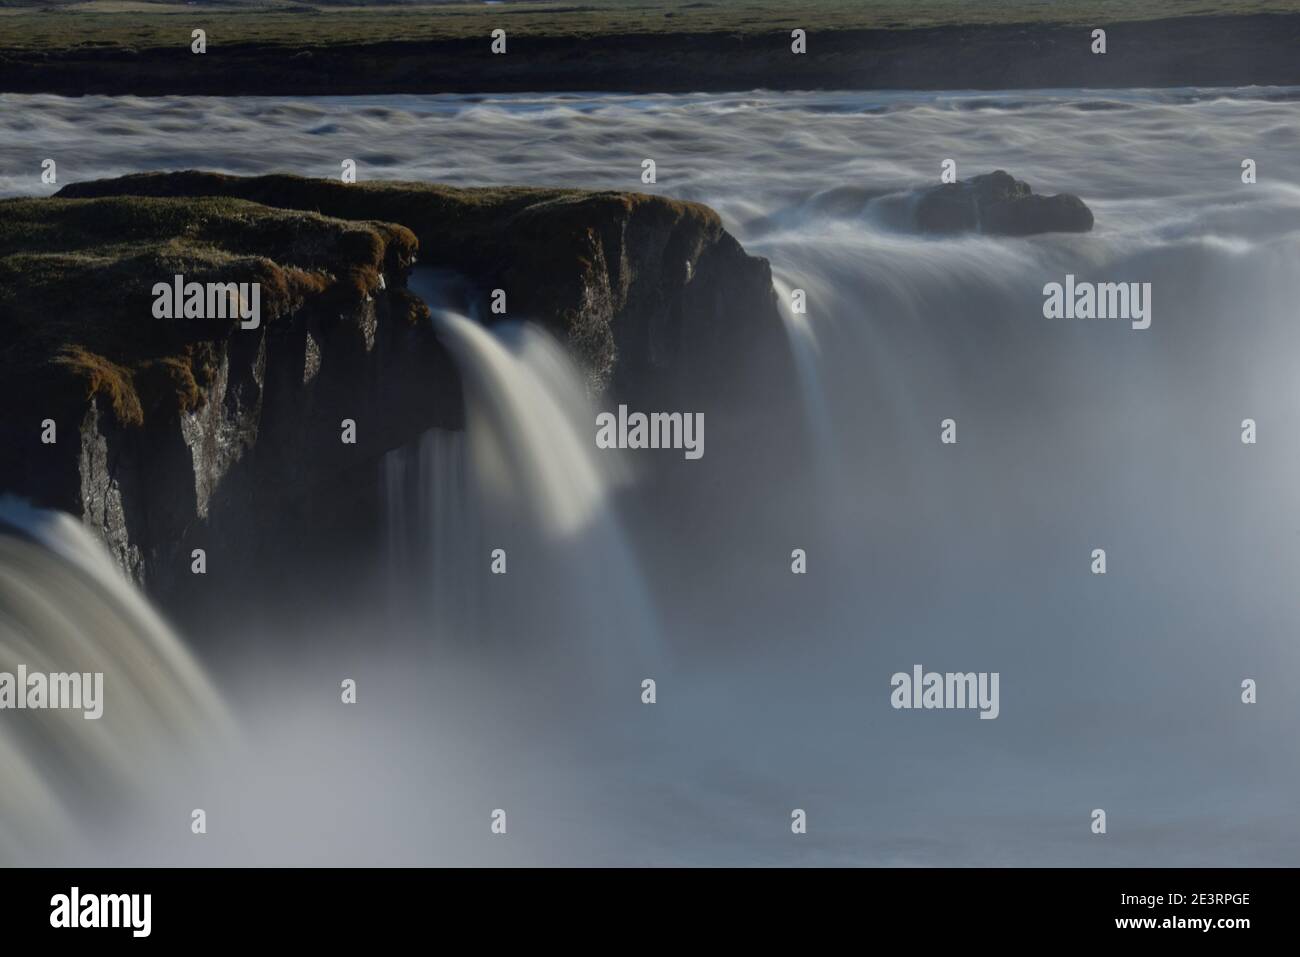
[65,607]
[200,433]
[1073,434]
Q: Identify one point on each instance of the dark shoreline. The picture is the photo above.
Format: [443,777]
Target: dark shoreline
[1240,50]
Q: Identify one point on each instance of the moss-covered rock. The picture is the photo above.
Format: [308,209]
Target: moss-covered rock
[160,425]
[181,433]
[76,279]
[610,273]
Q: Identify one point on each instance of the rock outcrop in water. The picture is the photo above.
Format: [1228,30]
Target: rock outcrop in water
[174,434]
[1000,205]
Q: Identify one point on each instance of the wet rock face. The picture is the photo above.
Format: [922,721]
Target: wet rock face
[167,435]
[177,434]
[998,204]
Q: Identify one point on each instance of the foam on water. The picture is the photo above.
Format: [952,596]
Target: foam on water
[65,607]
[1119,690]
[525,477]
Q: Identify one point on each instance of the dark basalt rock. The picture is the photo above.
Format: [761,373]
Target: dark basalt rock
[179,434]
[998,204]
[631,282]
[183,433]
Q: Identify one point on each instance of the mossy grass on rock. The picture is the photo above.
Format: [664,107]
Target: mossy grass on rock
[177,433]
[76,280]
[607,272]
[162,424]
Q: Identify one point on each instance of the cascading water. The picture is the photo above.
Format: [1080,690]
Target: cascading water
[524,477]
[65,608]
[1118,690]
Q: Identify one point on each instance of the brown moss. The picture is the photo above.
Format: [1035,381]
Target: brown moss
[410,308]
[76,270]
[76,281]
[169,382]
[107,379]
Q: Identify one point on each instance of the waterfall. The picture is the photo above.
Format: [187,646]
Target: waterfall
[64,608]
[805,349]
[1122,688]
[525,477]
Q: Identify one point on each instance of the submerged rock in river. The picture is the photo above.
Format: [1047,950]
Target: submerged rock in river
[998,204]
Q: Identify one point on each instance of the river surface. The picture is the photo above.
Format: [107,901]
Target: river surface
[1119,692]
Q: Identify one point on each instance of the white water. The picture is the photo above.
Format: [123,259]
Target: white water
[65,607]
[1118,692]
[524,478]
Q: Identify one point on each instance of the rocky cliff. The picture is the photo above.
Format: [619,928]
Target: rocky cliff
[173,434]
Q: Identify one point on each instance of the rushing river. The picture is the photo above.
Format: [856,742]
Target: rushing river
[1120,692]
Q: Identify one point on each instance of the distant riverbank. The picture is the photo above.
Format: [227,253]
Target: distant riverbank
[1230,50]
